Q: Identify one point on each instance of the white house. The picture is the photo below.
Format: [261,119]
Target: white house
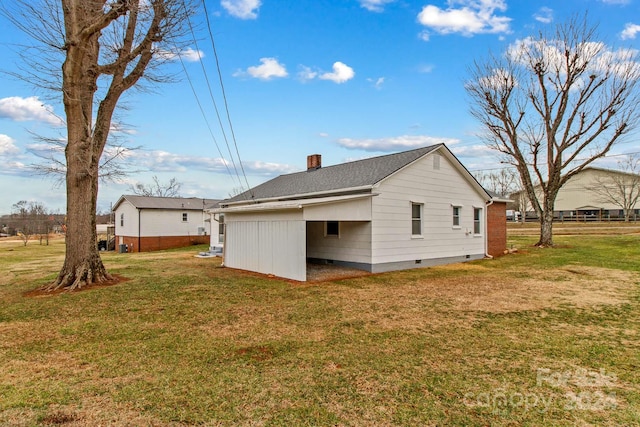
[152,223]
[405,210]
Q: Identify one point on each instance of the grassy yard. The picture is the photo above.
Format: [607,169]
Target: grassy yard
[540,337]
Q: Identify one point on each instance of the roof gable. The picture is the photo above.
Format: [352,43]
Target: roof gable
[340,178]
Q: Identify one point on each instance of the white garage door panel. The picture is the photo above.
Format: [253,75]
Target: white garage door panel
[269,247]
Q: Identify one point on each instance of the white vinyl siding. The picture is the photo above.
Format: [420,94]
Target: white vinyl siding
[157,222]
[354,244]
[127,224]
[270,247]
[434,189]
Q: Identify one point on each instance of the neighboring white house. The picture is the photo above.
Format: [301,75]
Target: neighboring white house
[152,223]
[405,210]
[583,196]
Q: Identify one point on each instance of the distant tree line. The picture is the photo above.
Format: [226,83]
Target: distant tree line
[29,220]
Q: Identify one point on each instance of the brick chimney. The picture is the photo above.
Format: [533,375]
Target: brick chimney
[314,161]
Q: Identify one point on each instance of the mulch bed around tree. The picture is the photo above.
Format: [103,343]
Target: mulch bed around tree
[40,293]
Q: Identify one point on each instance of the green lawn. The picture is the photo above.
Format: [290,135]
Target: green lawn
[541,337]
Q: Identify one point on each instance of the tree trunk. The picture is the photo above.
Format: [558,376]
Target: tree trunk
[546,229]
[82,264]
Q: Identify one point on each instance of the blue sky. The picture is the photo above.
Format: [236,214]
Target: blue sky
[347,79]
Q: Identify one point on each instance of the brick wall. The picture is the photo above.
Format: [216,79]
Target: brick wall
[496,228]
[157,243]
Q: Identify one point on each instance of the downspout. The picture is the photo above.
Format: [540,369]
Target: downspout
[139,248]
[224,242]
[486,230]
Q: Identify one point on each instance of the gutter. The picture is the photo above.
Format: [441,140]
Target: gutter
[283,198]
[294,204]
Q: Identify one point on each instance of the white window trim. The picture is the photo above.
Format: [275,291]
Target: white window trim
[185,219]
[421,235]
[480,220]
[459,226]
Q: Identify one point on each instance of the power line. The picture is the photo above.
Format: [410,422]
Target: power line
[215,105]
[204,116]
[224,96]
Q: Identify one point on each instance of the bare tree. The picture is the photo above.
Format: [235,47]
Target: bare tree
[113,165]
[157,189]
[107,47]
[30,219]
[620,188]
[502,182]
[235,191]
[21,221]
[552,104]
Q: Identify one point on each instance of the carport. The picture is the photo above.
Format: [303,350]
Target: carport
[272,237]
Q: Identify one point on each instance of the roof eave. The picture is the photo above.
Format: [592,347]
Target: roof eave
[280,205]
[298,196]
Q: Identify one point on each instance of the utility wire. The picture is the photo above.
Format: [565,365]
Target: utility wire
[215,105]
[224,95]
[204,116]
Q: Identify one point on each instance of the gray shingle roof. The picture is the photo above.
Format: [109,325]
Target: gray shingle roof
[177,203]
[343,176]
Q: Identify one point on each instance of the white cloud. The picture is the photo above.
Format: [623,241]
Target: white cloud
[499,79]
[596,56]
[189,55]
[473,17]
[544,15]
[163,161]
[473,151]
[269,69]
[7,146]
[622,2]
[306,73]
[243,9]
[25,109]
[425,68]
[393,143]
[377,83]
[341,73]
[630,31]
[375,5]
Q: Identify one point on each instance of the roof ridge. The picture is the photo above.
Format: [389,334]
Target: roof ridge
[433,147]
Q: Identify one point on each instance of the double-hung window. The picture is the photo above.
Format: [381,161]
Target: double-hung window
[456,216]
[416,219]
[477,220]
[185,217]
